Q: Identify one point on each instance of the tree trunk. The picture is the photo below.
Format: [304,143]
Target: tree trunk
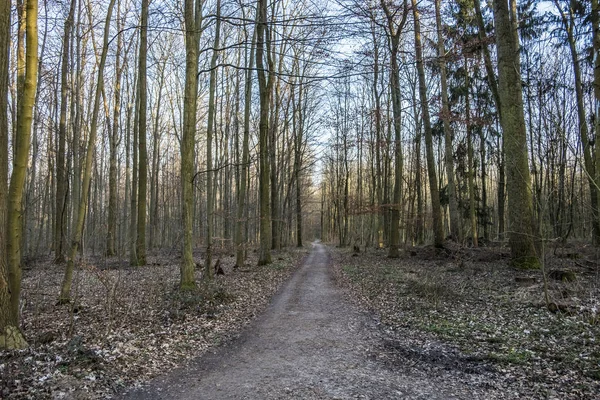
[142,120]
[208,271]
[65,292]
[192,15]
[455,231]
[242,208]
[394,40]
[596,57]
[10,336]
[113,141]
[265,88]
[470,160]
[298,134]
[61,173]
[568,24]
[512,118]
[438,228]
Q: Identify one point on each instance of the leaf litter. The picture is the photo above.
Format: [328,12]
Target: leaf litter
[127,325]
[465,314]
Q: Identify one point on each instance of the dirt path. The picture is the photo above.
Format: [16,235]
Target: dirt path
[311,343]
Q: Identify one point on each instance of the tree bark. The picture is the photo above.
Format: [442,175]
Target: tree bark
[590,168]
[113,141]
[61,173]
[470,159]
[438,228]
[394,41]
[11,336]
[192,16]
[242,209]
[521,239]
[455,231]
[265,88]
[208,270]
[143,123]
[596,58]
[65,292]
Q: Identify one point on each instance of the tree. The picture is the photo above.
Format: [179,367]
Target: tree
[394,33]
[208,271]
[512,119]
[193,22]
[10,335]
[455,231]
[596,49]
[65,292]
[61,173]
[242,206]
[265,87]
[142,132]
[438,227]
[569,25]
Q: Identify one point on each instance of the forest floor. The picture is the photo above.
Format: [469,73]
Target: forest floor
[313,343]
[465,311]
[127,325]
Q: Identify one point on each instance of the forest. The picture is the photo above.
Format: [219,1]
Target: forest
[198,138]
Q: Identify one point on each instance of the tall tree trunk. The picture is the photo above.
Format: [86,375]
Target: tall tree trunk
[156,160]
[133,259]
[394,38]
[10,337]
[438,228]
[512,118]
[470,159]
[143,161]
[242,208]
[21,27]
[298,134]
[193,13]
[455,231]
[61,173]
[265,88]
[113,141]
[484,207]
[493,84]
[65,292]
[378,189]
[208,271]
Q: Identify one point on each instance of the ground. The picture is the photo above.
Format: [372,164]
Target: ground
[128,325]
[311,343]
[457,323]
[466,309]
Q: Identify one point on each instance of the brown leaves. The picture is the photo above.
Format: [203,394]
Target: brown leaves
[126,325]
[442,311]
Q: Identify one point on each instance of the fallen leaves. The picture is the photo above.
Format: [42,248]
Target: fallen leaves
[472,304]
[127,325]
